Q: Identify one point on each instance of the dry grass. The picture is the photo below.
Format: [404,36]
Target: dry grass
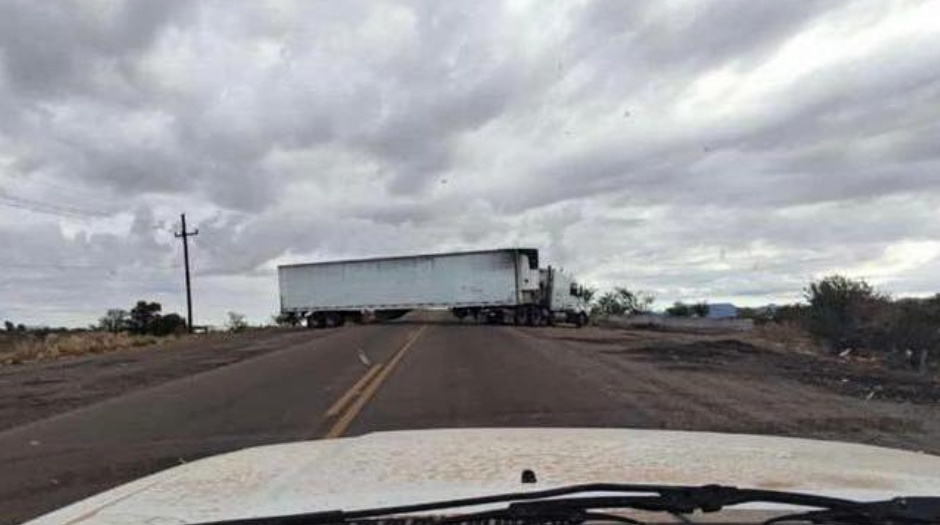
[53,346]
[784,336]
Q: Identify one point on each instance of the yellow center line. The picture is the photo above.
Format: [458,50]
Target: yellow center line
[341,403]
[371,388]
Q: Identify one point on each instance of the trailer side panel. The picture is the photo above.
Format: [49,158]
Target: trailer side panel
[432,281]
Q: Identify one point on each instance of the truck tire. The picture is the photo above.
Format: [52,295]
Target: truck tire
[333,320]
[581,319]
[315,321]
[389,315]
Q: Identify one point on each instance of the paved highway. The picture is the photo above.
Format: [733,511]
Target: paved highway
[338,383]
[359,379]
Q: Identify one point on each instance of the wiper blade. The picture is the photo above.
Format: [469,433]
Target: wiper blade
[898,510]
[552,506]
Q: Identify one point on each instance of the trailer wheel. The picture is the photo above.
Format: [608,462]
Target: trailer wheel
[333,320]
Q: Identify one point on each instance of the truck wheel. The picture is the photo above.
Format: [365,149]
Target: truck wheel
[581,320]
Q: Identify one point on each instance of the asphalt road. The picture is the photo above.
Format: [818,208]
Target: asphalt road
[408,375]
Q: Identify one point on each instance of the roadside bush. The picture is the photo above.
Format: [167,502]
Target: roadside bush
[622,301]
[142,316]
[850,315]
[907,332]
[762,316]
[168,325]
[115,320]
[679,309]
[145,318]
[236,322]
[700,309]
[842,311]
[791,313]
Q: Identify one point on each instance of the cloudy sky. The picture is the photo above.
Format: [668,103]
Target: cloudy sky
[726,150]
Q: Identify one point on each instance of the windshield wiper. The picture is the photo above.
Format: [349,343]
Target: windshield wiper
[551,506]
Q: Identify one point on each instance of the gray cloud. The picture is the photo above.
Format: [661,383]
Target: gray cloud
[56,49]
[717,32]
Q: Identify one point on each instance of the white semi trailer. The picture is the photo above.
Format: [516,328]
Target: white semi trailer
[495,285]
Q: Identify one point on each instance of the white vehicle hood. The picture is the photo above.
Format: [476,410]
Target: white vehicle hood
[394,468]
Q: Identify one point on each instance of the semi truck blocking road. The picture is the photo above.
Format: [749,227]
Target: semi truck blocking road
[496,286]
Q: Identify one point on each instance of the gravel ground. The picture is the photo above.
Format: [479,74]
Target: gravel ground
[728,383]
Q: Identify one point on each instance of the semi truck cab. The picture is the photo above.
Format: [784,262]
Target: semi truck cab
[562,298]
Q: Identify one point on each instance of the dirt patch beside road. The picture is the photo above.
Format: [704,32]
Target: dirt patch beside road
[738,383]
[857,378]
[36,390]
[739,355]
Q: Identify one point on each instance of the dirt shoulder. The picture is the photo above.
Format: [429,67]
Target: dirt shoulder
[740,383]
[36,390]
[753,355]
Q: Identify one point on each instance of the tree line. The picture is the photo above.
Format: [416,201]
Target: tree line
[845,315]
[144,318]
[10,327]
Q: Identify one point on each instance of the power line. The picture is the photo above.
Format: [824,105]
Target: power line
[88,266]
[59,210]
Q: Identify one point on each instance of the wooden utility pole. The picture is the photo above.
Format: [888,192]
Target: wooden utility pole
[185,235]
